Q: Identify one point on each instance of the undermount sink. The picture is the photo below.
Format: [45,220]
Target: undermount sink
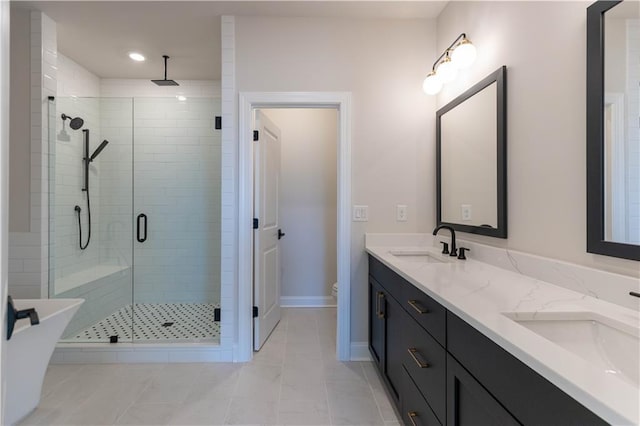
[416,256]
[609,345]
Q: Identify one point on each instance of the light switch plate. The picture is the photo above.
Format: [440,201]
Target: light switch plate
[360,213]
[401,213]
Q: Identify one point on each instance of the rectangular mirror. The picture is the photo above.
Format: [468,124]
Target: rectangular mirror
[613,130]
[471,161]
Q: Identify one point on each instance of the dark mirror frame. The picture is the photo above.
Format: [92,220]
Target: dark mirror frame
[500,78]
[595,139]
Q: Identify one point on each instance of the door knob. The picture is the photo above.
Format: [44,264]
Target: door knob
[280,234]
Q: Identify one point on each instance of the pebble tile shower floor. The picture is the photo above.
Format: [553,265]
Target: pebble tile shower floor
[295,379]
[153,322]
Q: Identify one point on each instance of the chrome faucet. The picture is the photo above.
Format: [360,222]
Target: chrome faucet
[454,250]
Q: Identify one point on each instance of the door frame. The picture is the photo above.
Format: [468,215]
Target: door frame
[249,101]
[619,231]
[4,190]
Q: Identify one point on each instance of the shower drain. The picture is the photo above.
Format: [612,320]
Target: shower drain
[156,322]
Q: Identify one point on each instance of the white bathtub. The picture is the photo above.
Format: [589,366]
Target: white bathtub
[29,351]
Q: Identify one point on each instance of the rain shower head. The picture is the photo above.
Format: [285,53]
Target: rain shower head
[75,123]
[165,82]
[98,150]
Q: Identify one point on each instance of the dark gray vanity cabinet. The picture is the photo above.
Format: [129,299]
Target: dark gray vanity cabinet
[442,371]
[376,323]
[468,403]
[529,397]
[386,323]
[385,335]
[411,362]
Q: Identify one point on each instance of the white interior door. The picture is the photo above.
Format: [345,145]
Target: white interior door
[266,269]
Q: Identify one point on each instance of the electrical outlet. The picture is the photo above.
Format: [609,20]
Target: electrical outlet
[401,213]
[360,213]
[466,211]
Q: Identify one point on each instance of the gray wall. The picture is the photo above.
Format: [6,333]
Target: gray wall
[20,117]
[382,63]
[543,45]
[308,200]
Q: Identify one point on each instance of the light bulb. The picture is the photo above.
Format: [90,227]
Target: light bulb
[464,54]
[432,84]
[446,71]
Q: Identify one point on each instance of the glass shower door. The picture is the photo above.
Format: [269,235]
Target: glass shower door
[177,201]
[90,210]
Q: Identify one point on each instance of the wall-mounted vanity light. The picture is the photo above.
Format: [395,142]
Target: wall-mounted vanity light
[459,55]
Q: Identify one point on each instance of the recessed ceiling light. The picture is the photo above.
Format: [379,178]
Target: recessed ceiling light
[136,56]
[181,97]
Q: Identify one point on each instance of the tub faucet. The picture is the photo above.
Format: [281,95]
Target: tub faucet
[14,315]
[454,250]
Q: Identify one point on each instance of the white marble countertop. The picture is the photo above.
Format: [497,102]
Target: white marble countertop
[480,293]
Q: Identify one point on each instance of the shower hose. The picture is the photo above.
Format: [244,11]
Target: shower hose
[78,210]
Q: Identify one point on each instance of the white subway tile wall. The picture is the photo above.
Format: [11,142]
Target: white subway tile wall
[633,135]
[177,185]
[102,296]
[67,184]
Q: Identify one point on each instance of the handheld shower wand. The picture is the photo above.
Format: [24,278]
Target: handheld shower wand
[87,159]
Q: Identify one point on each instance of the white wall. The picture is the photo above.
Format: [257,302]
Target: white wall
[20,112]
[543,45]
[383,64]
[76,80]
[308,203]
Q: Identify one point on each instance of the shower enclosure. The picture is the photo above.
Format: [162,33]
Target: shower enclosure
[150,169]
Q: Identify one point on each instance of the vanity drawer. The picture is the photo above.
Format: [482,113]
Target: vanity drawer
[431,315]
[414,409]
[425,361]
[391,281]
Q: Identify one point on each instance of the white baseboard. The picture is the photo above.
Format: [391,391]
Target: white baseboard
[307,302]
[360,351]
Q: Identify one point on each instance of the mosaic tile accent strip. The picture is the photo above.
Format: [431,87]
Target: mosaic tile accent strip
[155,322]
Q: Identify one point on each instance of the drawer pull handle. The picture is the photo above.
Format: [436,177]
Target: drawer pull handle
[419,309]
[411,415]
[379,302]
[413,352]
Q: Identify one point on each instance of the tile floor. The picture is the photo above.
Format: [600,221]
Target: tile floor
[156,322]
[294,380]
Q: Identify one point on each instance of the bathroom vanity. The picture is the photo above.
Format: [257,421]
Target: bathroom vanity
[455,346]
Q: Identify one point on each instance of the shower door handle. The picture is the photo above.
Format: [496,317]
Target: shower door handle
[142,239]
